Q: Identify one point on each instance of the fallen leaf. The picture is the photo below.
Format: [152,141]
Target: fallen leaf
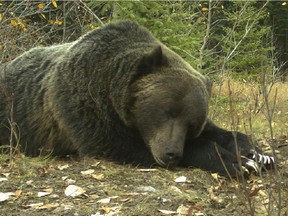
[41,6]
[17,193]
[96,164]
[182,210]
[74,191]
[41,194]
[67,206]
[13,22]
[167,212]
[5,174]
[63,167]
[58,22]
[262,193]
[94,196]
[104,201]
[54,196]
[54,3]
[5,196]
[29,182]
[48,206]
[163,200]
[3,179]
[50,190]
[70,181]
[215,176]
[88,172]
[43,16]
[181,179]
[98,177]
[103,167]
[34,205]
[105,209]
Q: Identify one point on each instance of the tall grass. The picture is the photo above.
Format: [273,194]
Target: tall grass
[260,109]
[249,105]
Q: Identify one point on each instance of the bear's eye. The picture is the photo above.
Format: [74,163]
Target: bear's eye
[172,113]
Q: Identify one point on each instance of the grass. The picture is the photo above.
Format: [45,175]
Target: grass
[249,107]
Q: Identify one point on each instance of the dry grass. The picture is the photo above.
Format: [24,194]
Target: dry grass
[243,102]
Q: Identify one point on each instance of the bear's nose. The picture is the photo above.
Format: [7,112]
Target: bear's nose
[173,158]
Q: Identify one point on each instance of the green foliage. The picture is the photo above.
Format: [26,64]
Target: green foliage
[171,22]
[278,11]
[240,38]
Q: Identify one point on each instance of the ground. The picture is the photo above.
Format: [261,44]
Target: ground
[40,186]
[50,186]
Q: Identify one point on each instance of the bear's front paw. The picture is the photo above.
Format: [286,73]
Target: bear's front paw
[257,161]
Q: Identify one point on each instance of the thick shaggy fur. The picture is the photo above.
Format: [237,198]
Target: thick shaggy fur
[116,93]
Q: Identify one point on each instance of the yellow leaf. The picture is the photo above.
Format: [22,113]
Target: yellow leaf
[58,22]
[98,177]
[54,3]
[13,22]
[17,193]
[105,209]
[1,16]
[22,25]
[284,3]
[43,16]
[41,6]
[204,9]
[222,6]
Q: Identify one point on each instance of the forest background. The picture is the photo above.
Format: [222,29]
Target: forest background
[245,38]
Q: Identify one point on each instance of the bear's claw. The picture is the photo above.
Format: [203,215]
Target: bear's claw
[264,159]
[252,165]
[258,161]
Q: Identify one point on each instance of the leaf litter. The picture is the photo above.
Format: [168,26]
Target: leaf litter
[93,187]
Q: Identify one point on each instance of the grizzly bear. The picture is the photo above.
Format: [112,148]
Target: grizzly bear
[120,94]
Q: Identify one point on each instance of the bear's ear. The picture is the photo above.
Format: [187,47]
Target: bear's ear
[153,59]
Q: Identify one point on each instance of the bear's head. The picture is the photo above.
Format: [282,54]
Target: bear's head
[168,100]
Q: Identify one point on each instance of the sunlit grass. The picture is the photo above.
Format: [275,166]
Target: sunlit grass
[243,103]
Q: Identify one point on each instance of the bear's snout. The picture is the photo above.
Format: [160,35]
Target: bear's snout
[169,159]
[173,158]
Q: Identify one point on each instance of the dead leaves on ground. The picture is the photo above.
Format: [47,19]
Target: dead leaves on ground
[82,189]
[58,200]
